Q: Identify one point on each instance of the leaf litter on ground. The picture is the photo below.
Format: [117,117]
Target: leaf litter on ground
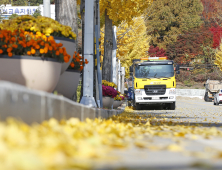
[72,144]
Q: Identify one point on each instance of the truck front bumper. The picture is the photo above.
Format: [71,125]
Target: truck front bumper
[168,97]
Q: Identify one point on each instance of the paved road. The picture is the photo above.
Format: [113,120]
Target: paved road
[200,149]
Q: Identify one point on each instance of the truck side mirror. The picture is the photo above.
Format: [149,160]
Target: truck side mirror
[177,67]
[131,69]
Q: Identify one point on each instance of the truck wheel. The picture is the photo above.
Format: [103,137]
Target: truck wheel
[138,107]
[214,101]
[172,106]
[206,98]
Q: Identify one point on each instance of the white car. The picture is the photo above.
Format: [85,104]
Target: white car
[218,97]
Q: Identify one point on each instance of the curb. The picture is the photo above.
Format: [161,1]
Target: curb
[33,106]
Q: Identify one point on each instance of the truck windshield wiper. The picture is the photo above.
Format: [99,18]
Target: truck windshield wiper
[155,75]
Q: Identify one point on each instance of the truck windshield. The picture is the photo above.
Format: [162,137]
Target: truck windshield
[154,71]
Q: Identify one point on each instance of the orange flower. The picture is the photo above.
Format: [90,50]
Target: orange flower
[13,39]
[72,65]
[46,50]
[81,68]
[15,46]
[10,54]
[61,50]
[59,44]
[21,35]
[28,52]
[50,48]
[77,59]
[42,51]
[1,51]
[33,51]
[37,46]
[9,49]
[46,45]
[1,36]
[66,59]
[28,44]
[57,53]
[51,38]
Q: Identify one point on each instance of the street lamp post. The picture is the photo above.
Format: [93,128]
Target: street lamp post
[88,98]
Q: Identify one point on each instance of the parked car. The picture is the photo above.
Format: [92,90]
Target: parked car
[218,97]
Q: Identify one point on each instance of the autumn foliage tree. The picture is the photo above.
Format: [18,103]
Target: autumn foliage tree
[116,11]
[167,19]
[218,60]
[156,52]
[132,42]
[213,11]
[217,34]
[190,45]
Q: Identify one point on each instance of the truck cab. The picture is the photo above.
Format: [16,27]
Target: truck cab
[154,82]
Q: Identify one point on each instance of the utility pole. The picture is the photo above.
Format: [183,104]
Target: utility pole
[97,32]
[46,8]
[88,71]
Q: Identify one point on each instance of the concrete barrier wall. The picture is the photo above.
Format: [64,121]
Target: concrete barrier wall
[32,106]
[190,92]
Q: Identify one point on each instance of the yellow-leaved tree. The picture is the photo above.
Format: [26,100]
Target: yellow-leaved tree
[132,42]
[218,58]
[116,11]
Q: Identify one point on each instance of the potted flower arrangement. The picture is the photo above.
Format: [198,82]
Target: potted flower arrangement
[69,80]
[117,101]
[122,97]
[109,93]
[32,60]
[47,26]
[107,83]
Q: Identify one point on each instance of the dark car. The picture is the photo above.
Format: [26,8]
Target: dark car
[130,96]
[130,93]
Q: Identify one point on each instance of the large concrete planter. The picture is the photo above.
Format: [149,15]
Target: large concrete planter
[107,101]
[68,83]
[116,104]
[70,46]
[32,72]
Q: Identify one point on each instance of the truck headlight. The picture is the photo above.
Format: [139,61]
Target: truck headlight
[138,92]
[172,91]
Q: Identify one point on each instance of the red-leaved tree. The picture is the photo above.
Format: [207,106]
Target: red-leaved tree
[190,44]
[156,52]
[217,33]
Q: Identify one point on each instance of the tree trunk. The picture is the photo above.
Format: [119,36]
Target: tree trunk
[108,47]
[66,13]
